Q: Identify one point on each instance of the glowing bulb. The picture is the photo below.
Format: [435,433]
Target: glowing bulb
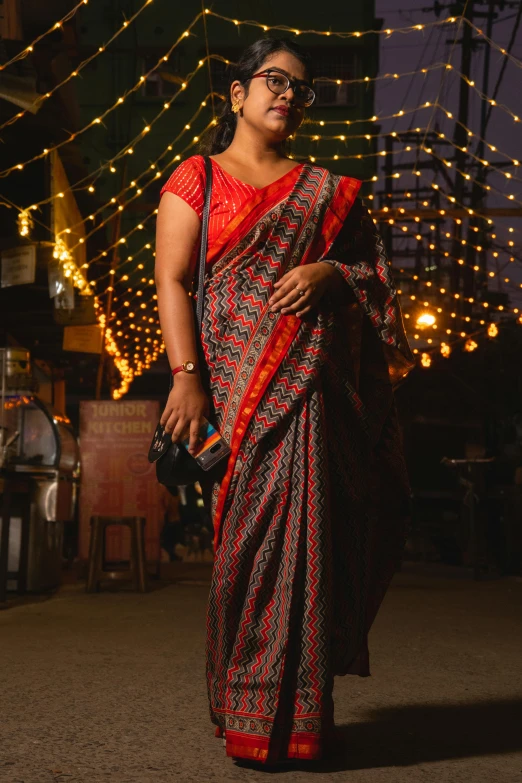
[426,319]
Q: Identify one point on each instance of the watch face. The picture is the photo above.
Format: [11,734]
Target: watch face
[189,367]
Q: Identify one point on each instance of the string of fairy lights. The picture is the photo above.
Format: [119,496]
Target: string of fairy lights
[458,334]
[117,103]
[133,336]
[402,212]
[136,184]
[397,135]
[142,305]
[87,182]
[56,26]
[136,339]
[145,339]
[434,67]
[79,68]
[97,120]
[140,226]
[390,220]
[387,32]
[149,319]
[121,99]
[408,148]
[405,228]
[381,216]
[110,164]
[64,252]
[511,57]
[129,149]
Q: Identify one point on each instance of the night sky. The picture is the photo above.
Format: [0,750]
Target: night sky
[402,53]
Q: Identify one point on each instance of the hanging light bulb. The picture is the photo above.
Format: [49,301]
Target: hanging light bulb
[492,330]
[425,320]
[25,223]
[426,360]
[445,350]
[470,345]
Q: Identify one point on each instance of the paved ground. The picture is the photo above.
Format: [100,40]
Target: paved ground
[110,687]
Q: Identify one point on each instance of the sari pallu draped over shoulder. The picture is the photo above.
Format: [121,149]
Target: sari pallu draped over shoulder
[303,551]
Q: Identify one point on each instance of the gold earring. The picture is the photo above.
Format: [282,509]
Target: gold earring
[235,107]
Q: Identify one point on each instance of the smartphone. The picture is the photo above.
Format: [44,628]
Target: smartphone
[211,448]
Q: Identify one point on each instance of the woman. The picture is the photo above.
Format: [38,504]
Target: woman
[303,339]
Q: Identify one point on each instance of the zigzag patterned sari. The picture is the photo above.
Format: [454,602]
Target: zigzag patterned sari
[303,556]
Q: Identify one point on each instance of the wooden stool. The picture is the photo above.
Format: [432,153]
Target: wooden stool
[136,571]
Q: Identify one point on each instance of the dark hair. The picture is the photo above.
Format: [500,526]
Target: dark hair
[220,136]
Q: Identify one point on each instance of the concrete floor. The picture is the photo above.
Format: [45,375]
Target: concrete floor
[110,687]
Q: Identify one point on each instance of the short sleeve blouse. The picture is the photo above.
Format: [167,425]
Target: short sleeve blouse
[228,193]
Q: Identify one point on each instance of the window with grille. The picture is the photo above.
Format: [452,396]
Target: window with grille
[335,62]
[221,73]
[165,80]
[329,61]
[11,20]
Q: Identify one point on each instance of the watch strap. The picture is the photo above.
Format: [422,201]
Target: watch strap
[184,368]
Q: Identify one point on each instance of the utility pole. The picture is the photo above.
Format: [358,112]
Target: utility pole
[388,196]
[478,193]
[116,230]
[469,279]
[460,137]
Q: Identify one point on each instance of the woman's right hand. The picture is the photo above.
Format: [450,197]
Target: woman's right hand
[186,408]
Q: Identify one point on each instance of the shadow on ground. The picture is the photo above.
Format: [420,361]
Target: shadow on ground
[409,735]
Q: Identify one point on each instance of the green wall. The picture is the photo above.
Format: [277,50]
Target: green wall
[148,39]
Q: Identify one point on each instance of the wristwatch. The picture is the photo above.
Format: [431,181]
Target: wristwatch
[189,367]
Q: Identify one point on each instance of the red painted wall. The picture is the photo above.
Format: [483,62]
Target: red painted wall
[117,479]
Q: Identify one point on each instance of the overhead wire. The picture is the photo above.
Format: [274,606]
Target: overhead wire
[79,68]
[56,26]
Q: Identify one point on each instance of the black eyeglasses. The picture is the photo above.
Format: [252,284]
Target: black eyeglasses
[278,83]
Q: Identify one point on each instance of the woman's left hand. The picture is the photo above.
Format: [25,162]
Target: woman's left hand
[302,289]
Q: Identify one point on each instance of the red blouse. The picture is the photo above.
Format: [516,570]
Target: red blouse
[228,193]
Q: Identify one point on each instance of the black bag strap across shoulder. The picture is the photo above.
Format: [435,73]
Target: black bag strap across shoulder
[204,244]
[202,260]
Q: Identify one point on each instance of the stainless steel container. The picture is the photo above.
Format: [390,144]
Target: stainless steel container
[47,452]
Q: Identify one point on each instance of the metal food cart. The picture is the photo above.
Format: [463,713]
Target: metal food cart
[41,449]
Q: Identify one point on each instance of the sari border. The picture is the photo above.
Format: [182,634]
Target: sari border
[255,739]
[279,343]
[248,214]
[287,327]
[282,337]
[342,202]
[266,317]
